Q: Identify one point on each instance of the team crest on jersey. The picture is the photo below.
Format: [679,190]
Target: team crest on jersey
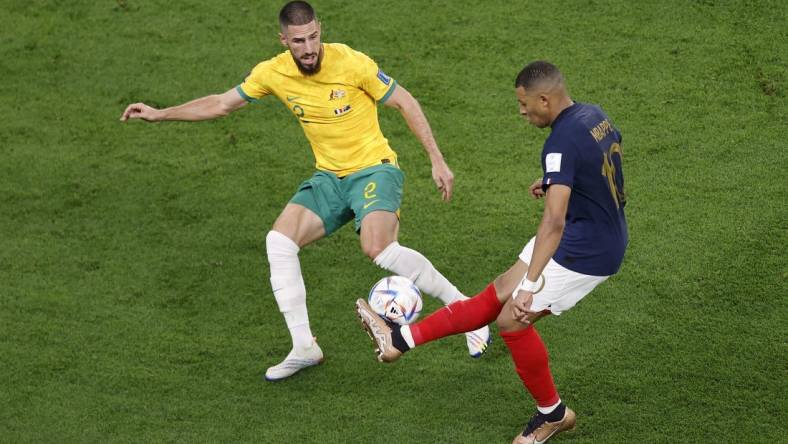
[337,94]
[343,110]
[383,77]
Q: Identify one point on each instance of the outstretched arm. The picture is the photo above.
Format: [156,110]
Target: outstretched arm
[407,105]
[204,108]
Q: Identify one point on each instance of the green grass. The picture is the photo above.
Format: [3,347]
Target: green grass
[134,296]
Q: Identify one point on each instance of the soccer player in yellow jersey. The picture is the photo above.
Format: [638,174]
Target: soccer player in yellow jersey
[333,91]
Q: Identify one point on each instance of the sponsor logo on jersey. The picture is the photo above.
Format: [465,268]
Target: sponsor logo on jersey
[343,110]
[383,77]
[337,94]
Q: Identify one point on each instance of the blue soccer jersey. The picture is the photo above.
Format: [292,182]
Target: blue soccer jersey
[584,153]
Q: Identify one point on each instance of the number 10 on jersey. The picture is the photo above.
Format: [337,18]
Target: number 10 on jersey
[615,180]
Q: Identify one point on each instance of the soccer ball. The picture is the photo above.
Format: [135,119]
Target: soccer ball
[397,299]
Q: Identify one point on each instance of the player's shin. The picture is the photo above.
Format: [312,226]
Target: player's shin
[291,298]
[288,287]
[532,364]
[413,265]
[457,317]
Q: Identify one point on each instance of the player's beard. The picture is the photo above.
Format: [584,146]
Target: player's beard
[310,70]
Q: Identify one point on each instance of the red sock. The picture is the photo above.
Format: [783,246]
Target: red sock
[458,317]
[532,364]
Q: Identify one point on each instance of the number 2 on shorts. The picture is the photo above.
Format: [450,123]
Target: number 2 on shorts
[369,190]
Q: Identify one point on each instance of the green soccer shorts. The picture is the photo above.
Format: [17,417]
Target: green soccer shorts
[338,200]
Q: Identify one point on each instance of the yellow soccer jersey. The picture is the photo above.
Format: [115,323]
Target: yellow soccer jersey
[336,107]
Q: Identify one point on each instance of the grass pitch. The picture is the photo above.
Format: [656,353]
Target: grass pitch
[134,296]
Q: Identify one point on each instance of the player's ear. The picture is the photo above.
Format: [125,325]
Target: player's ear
[283,39]
[544,99]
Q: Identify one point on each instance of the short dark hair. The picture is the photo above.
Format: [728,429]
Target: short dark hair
[296,13]
[538,72]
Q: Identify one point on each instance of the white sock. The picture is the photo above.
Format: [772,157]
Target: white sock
[298,323]
[548,410]
[414,266]
[407,335]
[288,286]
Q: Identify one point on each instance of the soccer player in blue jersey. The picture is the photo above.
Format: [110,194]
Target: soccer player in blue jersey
[580,242]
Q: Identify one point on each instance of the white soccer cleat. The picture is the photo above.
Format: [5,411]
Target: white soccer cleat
[478,341]
[298,359]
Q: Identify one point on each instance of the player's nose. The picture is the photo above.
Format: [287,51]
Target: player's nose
[311,47]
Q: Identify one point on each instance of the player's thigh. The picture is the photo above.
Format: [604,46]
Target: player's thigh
[378,230]
[322,194]
[561,288]
[506,283]
[300,224]
[374,189]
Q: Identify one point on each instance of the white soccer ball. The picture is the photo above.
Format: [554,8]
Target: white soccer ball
[397,299]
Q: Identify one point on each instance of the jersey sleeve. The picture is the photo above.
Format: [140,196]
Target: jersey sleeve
[255,85]
[373,80]
[558,163]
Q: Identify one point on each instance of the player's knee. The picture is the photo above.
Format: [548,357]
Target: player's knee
[505,285]
[373,249]
[277,243]
[509,324]
[505,321]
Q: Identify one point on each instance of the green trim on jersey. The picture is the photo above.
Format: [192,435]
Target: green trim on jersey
[388,94]
[244,96]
